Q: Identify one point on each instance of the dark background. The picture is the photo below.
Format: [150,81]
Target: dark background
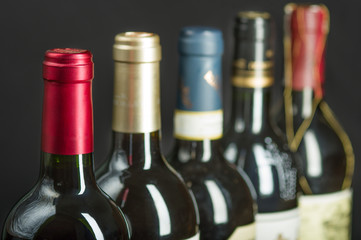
[28,28]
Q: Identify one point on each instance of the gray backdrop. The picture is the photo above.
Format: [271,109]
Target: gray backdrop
[28,28]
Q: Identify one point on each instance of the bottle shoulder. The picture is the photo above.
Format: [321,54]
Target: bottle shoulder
[219,188]
[38,211]
[271,167]
[244,143]
[126,169]
[322,126]
[326,154]
[119,178]
[155,200]
[197,173]
[215,166]
[324,131]
[232,136]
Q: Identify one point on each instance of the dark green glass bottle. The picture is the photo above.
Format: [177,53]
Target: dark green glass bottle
[312,130]
[151,194]
[250,141]
[224,199]
[66,202]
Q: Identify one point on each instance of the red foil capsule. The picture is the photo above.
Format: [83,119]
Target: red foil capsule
[309,25]
[67,123]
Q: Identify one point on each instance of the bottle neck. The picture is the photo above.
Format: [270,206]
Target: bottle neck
[67,121]
[142,150]
[136,113]
[303,103]
[250,110]
[306,30]
[136,100]
[198,119]
[252,80]
[68,173]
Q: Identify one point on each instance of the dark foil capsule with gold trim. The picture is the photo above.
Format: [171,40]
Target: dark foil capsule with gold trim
[135,174]
[225,203]
[250,141]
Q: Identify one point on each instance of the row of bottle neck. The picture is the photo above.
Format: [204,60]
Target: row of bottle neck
[250,113]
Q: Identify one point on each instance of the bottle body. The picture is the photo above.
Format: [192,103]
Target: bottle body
[151,194]
[224,200]
[66,203]
[268,163]
[250,141]
[51,210]
[225,203]
[312,131]
[327,196]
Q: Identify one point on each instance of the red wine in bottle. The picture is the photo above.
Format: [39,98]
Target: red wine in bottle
[224,200]
[153,197]
[66,202]
[250,140]
[311,128]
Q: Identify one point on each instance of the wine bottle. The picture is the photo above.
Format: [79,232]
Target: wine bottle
[312,129]
[66,202]
[226,206]
[153,197]
[250,140]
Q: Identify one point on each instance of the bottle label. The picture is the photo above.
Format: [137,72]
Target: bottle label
[326,216]
[278,226]
[195,237]
[247,232]
[198,125]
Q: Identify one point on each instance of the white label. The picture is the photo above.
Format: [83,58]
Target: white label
[195,237]
[247,232]
[278,226]
[326,216]
[198,125]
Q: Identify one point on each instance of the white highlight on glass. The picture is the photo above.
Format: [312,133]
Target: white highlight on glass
[38,211]
[231,152]
[96,229]
[257,111]
[206,150]
[111,182]
[239,125]
[264,170]
[307,102]
[218,202]
[314,161]
[81,177]
[147,157]
[162,210]
[195,237]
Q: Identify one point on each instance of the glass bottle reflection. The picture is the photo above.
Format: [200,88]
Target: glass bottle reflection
[143,186]
[250,141]
[151,194]
[61,205]
[225,203]
[312,130]
[66,202]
